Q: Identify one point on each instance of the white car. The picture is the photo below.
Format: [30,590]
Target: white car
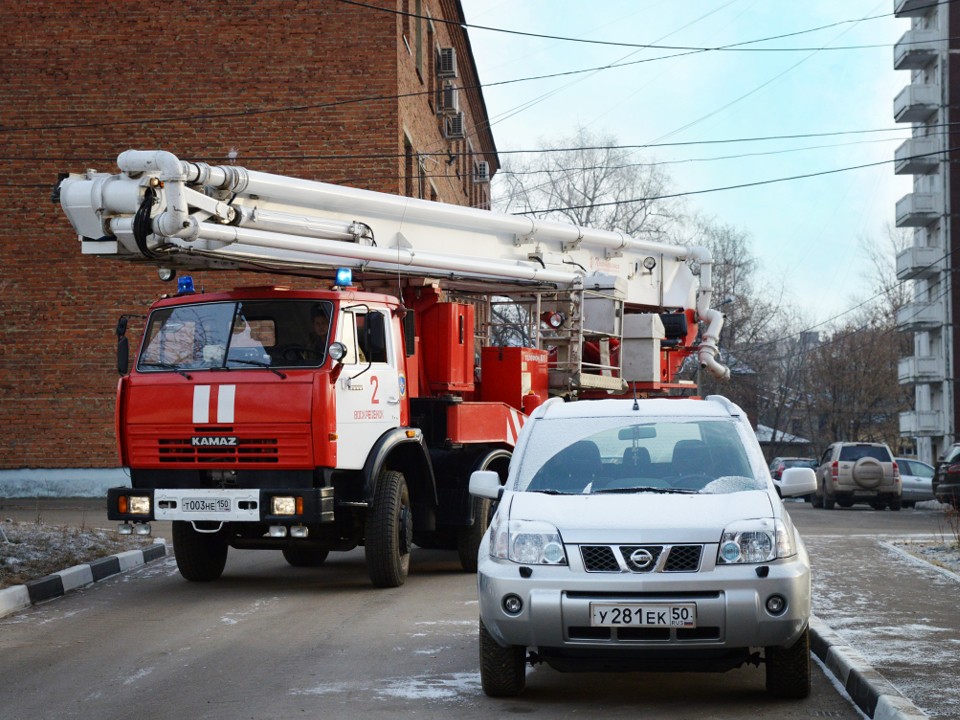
[917,479]
[642,535]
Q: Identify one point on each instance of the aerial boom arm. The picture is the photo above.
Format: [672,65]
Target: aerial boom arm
[173,213]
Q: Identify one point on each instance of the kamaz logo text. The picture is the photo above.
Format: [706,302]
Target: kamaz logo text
[213,441]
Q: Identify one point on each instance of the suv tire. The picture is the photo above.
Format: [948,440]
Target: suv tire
[868,473]
[502,669]
[788,669]
[828,502]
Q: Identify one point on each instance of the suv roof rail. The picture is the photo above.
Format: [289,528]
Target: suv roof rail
[726,403]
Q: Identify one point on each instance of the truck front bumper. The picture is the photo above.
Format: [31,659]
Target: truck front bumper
[302,505]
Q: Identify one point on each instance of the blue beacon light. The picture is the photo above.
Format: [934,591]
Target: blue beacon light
[344,277]
[185,285]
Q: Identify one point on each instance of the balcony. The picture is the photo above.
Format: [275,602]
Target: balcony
[922,424]
[912,8]
[920,370]
[917,156]
[916,49]
[918,262]
[917,316]
[916,103]
[918,209]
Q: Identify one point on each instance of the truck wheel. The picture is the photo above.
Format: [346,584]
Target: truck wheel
[468,539]
[788,669]
[389,531]
[201,557]
[502,671]
[304,557]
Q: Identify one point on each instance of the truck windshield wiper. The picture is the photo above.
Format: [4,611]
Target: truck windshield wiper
[257,363]
[656,490]
[167,366]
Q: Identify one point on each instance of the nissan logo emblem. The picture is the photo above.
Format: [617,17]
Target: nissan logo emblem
[641,558]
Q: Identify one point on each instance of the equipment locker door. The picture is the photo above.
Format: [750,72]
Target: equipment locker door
[368,389]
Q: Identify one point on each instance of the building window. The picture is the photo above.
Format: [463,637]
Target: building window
[418,36]
[408,167]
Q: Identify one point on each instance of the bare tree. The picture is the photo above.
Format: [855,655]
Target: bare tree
[587,180]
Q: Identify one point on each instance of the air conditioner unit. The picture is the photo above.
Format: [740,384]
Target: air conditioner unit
[447,62]
[481,171]
[448,99]
[454,127]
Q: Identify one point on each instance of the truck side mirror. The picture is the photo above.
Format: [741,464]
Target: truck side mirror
[123,347]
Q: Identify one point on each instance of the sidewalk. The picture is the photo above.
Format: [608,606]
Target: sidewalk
[900,614]
[887,626]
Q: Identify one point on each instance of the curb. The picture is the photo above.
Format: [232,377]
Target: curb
[872,693]
[19,597]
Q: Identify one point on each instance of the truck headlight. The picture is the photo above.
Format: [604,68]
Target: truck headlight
[286,505]
[134,504]
[756,541]
[527,542]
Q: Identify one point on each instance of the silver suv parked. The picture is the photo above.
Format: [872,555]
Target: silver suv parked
[642,535]
[851,473]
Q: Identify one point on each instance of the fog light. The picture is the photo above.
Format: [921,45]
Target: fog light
[283,506]
[142,528]
[776,604]
[277,531]
[125,529]
[299,531]
[512,604]
[139,504]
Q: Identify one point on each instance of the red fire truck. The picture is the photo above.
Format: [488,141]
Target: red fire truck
[312,421]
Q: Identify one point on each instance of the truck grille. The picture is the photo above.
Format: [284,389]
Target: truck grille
[247,450]
[641,558]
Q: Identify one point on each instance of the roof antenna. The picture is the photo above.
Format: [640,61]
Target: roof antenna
[636,403]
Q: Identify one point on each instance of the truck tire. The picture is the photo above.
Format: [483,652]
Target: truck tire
[304,557]
[389,531]
[788,669]
[468,539]
[502,671]
[201,557]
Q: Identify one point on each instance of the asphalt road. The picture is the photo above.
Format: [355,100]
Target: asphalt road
[269,640]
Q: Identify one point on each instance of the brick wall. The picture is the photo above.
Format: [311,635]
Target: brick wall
[82,81]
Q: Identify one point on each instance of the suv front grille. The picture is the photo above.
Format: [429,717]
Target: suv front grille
[641,558]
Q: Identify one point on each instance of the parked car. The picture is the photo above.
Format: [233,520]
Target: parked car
[859,472]
[779,464]
[946,477]
[642,535]
[916,477]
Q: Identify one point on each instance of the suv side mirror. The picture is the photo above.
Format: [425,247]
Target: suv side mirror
[485,484]
[798,481]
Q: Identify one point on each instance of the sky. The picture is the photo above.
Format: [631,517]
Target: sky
[807,234]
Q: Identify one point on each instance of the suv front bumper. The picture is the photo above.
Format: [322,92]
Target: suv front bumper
[730,604]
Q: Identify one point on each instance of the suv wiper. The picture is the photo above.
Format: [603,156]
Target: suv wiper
[656,490]
[257,363]
[552,492]
[167,366]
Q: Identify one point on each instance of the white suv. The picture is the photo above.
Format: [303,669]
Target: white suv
[642,535]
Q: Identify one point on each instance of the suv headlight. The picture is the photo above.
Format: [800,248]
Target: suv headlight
[756,541]
[529,542]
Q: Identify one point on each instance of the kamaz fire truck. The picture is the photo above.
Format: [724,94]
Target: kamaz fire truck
[312,421]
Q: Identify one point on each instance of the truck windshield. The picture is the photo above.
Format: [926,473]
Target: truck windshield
[250,334]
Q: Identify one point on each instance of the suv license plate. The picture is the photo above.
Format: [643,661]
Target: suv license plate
[629,615]
[205,505]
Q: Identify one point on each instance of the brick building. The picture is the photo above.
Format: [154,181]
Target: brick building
[382,95]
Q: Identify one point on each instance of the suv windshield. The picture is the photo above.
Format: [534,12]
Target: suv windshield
[261,333]
[619,455]
[852,453]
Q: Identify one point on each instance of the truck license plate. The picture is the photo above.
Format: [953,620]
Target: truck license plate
[630,615]
[213,505]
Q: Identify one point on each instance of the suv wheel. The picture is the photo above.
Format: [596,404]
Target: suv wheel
[868,473]
[828,502]
[788,669]
[502,669]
